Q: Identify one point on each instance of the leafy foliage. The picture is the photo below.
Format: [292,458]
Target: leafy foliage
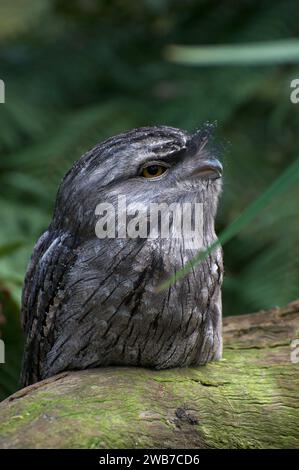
[77,72]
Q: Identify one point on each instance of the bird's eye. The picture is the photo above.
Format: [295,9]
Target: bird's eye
[153,171]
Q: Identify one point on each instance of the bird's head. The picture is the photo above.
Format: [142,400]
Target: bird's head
[146,165]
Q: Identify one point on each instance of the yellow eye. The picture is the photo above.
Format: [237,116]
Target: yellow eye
[153,171]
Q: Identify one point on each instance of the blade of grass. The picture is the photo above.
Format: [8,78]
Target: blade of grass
[283,182]
[256,53]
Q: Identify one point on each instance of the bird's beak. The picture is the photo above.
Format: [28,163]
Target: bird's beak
[209,168]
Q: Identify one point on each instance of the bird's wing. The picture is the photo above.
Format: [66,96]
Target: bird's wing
[53,255]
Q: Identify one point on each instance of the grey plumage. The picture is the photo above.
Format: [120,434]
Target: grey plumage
[90,302]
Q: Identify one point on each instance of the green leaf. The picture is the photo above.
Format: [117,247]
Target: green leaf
[261,53]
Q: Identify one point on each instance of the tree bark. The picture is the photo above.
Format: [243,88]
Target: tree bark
[249,399]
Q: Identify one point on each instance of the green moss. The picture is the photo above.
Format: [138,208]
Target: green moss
[239,402]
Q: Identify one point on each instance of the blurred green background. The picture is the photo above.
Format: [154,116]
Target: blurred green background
[77,72]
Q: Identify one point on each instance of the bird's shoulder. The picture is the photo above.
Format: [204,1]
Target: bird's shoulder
[52,257]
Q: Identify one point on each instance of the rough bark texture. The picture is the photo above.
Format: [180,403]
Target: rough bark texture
[250,399]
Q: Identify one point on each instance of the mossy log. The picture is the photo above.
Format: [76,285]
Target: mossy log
[249,399]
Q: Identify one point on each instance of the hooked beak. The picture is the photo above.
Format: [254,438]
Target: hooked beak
[210,168]
[207,166]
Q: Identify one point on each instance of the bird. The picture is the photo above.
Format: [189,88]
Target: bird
[96,302]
